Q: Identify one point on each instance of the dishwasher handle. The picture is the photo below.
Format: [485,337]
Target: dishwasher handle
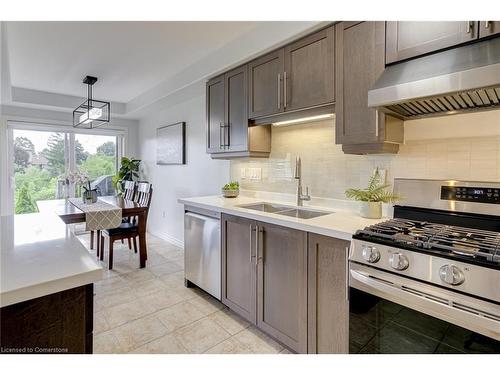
[202,217]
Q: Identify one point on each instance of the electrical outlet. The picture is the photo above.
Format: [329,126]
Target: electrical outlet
[164,215]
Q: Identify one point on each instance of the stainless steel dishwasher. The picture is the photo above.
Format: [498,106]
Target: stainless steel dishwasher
[202,250]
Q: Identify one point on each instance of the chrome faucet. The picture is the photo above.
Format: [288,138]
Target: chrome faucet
[298,176]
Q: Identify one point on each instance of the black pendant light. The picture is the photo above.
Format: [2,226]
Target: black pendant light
[91,113]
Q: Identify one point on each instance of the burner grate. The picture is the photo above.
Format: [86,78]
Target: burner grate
[461,241]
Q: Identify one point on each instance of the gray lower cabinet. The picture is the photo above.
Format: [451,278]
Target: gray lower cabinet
[282,285]
[359,61]
[239,266]
[488,28]
[290,283]
[328,305]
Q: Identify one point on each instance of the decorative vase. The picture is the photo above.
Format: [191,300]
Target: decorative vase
[371,210]
[89,196]
[233,193]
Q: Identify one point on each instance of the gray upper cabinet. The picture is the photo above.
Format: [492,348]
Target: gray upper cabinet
[407,39]
[488,28]
[239,264]
[308,79]
[299,76]
[265,85]
[359,61]
[328,305]
[228,131]
[282,285]
[215,114]
[236,113]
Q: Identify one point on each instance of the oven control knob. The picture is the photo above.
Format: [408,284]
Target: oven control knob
[451,275]
[371,254]
[398,261]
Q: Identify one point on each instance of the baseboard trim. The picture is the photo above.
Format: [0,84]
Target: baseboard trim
[168,238]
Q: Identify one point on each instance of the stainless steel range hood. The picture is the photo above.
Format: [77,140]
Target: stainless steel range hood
[461,79]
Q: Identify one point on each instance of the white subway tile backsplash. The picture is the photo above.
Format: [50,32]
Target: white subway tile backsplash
[329,172]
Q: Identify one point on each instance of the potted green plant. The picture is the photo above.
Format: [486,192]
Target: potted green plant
[372,197]
[129,171]
[231,190]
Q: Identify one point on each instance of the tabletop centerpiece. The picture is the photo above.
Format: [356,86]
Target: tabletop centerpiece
[231,190]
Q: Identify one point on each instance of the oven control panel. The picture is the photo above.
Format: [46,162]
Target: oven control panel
[471,194]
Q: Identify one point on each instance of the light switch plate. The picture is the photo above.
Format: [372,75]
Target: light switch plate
[255,173]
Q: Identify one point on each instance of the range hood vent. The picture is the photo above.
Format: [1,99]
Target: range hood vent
[454,81]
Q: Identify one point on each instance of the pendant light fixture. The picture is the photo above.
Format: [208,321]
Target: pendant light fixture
[91,113]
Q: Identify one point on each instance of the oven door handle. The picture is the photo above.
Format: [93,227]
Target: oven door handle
[455,311]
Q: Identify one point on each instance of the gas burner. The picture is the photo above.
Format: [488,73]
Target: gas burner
[466,242]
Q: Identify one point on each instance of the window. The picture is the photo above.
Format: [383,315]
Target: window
[45,158]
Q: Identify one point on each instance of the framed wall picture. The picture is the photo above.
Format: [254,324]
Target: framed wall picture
[171,144]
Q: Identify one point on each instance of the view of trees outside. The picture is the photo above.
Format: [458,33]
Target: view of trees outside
[39,163]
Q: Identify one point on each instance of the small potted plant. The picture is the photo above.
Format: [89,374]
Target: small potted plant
[372,197]
[231,190]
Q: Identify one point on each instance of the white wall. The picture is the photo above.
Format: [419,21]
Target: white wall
[14,113]
[200,176]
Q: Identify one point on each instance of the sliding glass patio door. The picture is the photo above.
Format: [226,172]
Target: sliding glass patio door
[39,162]
[49,164]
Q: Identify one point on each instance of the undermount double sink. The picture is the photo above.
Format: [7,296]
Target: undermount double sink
[300,213]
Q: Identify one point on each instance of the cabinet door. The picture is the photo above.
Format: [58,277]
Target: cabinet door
[328,305]
[239,266]
[407,39]
[309,71]
[236,122]
[487,28]
[359,62]
[215,114]
[282,285]
[265,85]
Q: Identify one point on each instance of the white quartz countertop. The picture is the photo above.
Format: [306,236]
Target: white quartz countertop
[39,256]
[340,223]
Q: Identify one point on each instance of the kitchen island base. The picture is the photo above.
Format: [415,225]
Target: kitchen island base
[58,323]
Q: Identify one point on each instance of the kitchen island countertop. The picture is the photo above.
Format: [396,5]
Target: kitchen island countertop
[39,255]
[340,223]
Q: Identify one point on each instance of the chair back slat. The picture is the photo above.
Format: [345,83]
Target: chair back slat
[143,196]
[129,190]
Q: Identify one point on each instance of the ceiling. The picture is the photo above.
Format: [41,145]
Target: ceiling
[130,59]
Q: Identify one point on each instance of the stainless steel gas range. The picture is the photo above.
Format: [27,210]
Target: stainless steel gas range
[428,280]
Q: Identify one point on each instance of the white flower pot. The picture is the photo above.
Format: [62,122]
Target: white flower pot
[371,210]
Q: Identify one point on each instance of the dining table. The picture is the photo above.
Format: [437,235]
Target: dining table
[70,214]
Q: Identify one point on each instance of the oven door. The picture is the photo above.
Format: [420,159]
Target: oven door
[392,314]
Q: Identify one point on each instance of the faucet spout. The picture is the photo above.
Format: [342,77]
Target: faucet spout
[298,176]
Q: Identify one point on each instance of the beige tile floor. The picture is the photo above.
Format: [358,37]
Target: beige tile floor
[150,311]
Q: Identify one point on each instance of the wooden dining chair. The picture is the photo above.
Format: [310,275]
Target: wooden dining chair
[128,193]
[129,230]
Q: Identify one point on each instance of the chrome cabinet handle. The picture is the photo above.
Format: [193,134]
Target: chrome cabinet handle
[228,126]
[220,135]
[260,244]
[469,27]
[486,24]
[252,256]
[284,90]
[279,90]
[347,273]
[376,123]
